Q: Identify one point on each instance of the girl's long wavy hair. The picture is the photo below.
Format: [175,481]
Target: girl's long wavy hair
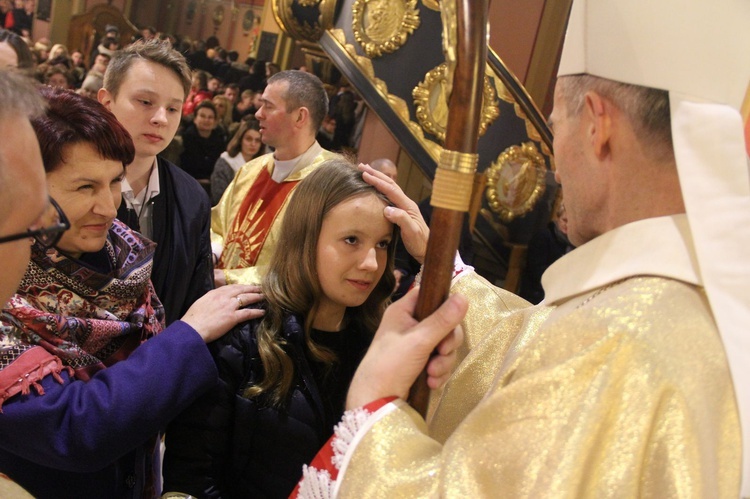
[292,286]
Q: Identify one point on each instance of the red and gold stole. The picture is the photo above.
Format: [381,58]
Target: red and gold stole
[253,221]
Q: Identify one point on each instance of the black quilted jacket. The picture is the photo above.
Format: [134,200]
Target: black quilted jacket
[229,446]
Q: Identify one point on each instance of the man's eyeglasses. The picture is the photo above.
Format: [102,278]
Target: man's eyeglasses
[47,230]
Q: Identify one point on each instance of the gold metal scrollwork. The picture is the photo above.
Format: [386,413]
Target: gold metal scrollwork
[449,17]
[309,27]
[431,103]
[515,181]
[399,106]
[383,26]
[218,16]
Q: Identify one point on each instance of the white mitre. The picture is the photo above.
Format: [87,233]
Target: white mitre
[698,51]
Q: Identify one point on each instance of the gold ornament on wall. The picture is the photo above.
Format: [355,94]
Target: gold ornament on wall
[516,181]
[308,24]
[218,15]
[248,20]
[449,18]
[431,103]
[383,26]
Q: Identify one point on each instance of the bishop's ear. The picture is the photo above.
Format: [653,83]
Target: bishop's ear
[598,113]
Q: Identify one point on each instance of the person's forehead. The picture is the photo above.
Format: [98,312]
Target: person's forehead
[276,91]
[558,105]
[142,72]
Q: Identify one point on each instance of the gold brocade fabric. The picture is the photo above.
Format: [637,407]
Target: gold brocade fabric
[489,328]
[626,395]
[222,217]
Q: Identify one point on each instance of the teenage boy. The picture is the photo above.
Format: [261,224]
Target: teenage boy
[145,86]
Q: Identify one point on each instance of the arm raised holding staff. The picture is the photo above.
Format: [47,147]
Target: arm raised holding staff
[630,378]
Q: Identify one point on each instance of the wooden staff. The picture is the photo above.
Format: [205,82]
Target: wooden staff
[454,177]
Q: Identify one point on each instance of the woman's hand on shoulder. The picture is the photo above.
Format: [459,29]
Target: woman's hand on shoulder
[221,309]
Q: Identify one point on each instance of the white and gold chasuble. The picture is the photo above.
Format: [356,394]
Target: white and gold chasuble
[617,385]
[257,233]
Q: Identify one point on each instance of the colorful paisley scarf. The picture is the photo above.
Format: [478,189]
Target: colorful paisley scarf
[84,319]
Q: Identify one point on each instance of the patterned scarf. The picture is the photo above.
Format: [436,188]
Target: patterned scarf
[87,319]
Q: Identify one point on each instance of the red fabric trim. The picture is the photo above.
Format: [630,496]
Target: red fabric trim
[27,371]
[253,221]
[458,271]
[323,460]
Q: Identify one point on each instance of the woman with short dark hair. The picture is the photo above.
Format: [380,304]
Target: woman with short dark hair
[202,142]
[88,373]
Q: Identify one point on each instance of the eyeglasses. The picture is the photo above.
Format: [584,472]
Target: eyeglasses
[48,230]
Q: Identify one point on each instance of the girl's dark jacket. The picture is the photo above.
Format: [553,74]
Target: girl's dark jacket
[227,445]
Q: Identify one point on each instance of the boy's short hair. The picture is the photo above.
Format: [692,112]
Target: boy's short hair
[157,51]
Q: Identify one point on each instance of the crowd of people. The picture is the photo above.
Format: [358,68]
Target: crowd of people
[17,16]
[233,91]
[237,299]
[132,276]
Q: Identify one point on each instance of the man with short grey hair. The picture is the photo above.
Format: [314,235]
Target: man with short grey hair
[23,188]
[25,210]
[245,224]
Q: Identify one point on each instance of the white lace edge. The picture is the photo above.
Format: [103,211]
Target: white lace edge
[315,484]
[351,422]
[355,435]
